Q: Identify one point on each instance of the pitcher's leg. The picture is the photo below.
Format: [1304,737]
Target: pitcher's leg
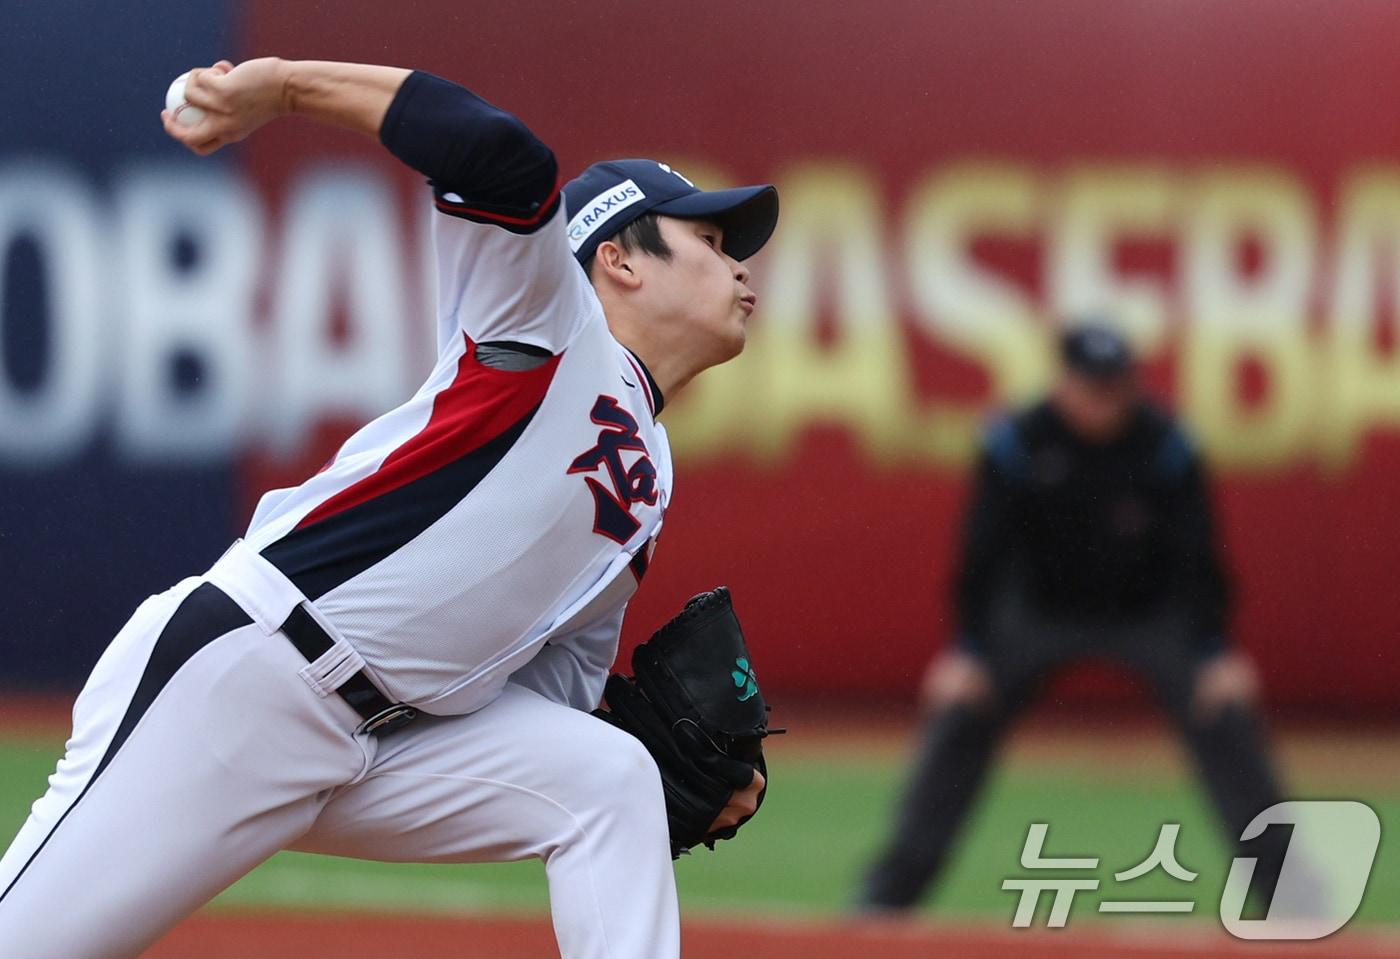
[525,778]
[197,752]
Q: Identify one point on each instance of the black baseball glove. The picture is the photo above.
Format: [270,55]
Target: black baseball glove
[694,703]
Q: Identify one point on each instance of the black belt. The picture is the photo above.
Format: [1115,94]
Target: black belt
[380,715]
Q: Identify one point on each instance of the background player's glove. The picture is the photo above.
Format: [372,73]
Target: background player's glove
[694,703]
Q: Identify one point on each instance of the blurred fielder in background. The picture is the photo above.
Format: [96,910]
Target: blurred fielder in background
[1089,535]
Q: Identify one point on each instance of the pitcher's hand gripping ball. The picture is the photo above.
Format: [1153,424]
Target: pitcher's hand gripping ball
[181,109]
[694,703]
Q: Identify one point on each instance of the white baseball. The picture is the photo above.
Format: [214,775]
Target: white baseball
[184,113]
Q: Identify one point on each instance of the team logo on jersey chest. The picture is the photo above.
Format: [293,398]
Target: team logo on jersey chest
[627,486]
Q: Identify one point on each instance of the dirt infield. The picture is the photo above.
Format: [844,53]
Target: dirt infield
[288,935]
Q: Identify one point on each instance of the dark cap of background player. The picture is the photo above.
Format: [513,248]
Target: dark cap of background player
[607,196]
[1096,351]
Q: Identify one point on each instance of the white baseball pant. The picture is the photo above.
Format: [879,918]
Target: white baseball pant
[198,751]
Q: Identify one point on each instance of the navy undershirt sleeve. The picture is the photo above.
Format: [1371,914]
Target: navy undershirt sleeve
[484,163]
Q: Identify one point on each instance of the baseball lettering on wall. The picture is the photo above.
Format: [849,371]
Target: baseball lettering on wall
[1235,272]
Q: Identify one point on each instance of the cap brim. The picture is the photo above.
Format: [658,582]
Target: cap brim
[747,214]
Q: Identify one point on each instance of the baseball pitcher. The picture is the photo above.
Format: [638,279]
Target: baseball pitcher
[397,661]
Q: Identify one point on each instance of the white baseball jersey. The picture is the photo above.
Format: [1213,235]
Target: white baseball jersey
[491,528]
[496,510]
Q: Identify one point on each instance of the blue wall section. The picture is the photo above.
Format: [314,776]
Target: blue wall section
[82,541]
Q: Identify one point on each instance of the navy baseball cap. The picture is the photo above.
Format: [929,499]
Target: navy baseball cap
[609,195]
[1096,351]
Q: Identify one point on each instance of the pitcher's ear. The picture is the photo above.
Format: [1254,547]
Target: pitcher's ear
[614,263]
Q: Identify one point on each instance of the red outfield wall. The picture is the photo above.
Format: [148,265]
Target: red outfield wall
[1224,177]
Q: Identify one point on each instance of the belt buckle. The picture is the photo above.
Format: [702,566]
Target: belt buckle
[388,720]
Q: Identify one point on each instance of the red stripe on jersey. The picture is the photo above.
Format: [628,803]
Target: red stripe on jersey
[480,404]
[545,208]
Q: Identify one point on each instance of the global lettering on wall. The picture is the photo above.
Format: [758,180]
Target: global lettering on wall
[275,321]
[1270,304]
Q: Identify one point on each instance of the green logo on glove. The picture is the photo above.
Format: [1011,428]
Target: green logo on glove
[744,679]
